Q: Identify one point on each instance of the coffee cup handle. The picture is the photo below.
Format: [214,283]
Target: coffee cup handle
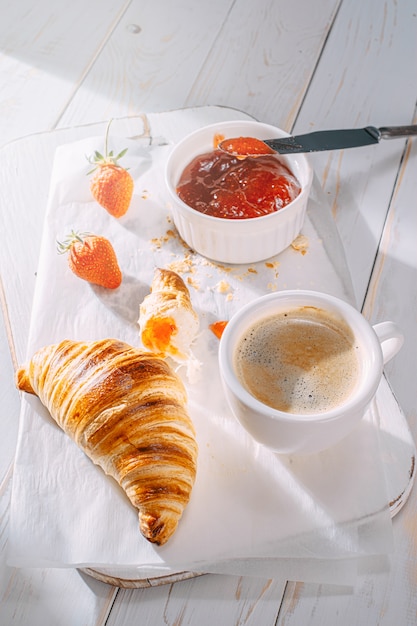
[390,338]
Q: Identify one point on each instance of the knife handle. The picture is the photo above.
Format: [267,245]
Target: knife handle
[392,132]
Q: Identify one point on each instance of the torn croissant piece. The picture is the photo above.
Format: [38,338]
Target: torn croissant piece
[167,321]
[126,409]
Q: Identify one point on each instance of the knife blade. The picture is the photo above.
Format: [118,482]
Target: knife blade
[338,139]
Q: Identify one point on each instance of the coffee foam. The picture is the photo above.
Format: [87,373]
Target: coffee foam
[301,361]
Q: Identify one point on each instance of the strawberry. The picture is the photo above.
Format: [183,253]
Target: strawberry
[93,259]
[111,185]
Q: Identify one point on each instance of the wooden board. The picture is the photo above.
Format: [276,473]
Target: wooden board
[400,460]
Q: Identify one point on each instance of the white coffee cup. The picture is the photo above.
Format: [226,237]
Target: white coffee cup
[282,430]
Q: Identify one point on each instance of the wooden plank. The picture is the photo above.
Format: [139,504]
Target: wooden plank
[10,403]
[150,61]
[207,600]
[46,49]
[358,83]
[273,47]
[385,596]
[41,597]
[40,65]
[253,56]
[392,292]
[23,591]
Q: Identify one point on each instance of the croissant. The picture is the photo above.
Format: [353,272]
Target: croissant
[168,323]
[126,409]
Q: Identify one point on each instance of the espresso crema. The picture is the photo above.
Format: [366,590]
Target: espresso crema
[300,361]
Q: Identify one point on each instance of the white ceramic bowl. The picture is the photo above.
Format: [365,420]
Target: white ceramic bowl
[236,240]
[303,434]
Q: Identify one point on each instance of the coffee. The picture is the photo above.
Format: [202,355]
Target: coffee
[300,361]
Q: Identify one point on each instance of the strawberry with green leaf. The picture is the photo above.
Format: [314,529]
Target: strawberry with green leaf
[111,185]
[92,258]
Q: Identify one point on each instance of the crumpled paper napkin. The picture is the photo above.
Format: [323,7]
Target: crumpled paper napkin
[251,511]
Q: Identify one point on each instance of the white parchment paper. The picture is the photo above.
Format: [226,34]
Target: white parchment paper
[251,511]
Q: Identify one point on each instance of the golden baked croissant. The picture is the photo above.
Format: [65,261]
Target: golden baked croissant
[126,409]
[168,323]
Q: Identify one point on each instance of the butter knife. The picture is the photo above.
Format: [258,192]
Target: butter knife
[338,139]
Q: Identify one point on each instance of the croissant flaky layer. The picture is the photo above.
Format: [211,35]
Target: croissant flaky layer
[126,409]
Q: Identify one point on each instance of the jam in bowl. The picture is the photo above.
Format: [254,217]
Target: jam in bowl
[235,210]
[226,186]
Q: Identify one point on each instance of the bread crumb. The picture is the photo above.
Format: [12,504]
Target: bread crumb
[192,283]
[224,268]
[272,265]
[249,271]
[300,244]
[223,287]
[158,242]
[183,266]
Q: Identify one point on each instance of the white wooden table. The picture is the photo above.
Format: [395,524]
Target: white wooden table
[299,65]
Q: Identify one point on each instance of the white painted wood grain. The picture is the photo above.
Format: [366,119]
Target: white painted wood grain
[42,597]
[392,293]
[67,63]
[363,183]
[46,48]
[40,66]
[150,61]
[382,598]
[258,57]
[9,402]
[365,76]
[264,58]
[203,601]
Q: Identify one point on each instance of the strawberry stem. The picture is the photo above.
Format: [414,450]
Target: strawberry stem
[106,139]
[108,159]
